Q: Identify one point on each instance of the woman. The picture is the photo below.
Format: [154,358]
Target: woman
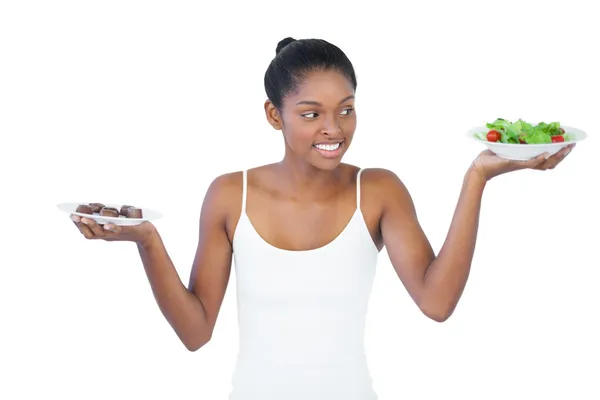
[305,234]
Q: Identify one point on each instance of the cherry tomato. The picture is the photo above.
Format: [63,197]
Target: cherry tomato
[558,139]
[493,136]
[522,141]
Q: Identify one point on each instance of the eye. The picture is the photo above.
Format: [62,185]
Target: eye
[347,111]
[310,115]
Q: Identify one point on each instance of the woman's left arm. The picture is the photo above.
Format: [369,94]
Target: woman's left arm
[436,283]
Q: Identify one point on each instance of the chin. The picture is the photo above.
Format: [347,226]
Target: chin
[328,166]
[325,164]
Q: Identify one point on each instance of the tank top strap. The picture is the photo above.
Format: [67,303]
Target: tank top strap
[244,189]
[358,189]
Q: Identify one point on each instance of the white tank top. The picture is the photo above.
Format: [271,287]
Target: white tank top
[302,315]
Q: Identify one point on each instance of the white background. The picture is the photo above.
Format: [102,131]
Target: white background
[145,102]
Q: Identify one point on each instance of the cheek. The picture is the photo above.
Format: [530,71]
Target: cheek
[299,134]
[299,139]
[349,125]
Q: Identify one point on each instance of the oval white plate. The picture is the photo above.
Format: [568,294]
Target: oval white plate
[522,152]
[149,215]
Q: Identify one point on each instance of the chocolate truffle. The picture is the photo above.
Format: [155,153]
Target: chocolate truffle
[133,212]
[96,207]
[84,209]
[124,210]
[109,212]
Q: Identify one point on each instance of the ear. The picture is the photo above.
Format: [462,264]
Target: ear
[273,115]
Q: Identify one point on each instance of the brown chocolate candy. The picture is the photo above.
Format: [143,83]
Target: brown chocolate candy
[109,212]
[124,210]
[96,207]
[133,212]
[84,209]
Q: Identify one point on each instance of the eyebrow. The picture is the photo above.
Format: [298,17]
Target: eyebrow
[316,103]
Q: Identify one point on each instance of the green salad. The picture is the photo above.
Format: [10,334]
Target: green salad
[521,132]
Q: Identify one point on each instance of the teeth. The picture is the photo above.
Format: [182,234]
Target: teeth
[327,147]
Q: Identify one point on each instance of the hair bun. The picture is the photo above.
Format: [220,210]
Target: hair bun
[284,43]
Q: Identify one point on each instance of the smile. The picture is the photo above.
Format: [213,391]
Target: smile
[329,150]
[328,147]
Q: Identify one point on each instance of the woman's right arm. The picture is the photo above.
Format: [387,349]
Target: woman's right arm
[191,312]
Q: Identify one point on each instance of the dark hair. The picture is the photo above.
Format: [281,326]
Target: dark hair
[294,59]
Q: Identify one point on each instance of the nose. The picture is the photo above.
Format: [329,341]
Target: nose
[331,127]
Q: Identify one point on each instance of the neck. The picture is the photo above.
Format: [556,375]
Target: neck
[305,180]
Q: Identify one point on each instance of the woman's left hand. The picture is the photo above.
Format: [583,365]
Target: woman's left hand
[490,165]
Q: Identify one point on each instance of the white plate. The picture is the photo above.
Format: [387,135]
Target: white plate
[148,215]
[522,152]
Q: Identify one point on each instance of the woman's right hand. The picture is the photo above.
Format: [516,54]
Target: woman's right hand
[90,229]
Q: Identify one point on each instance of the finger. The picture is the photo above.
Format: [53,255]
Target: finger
[558,157]
[112,229]
[541,162]
[563,152]
[113,232]
[84,230]
[93,226]
[534,163]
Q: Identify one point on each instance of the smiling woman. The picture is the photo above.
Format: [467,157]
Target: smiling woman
[305,233]
[311,86]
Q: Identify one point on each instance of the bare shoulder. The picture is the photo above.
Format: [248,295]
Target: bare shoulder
[225,194]
[223,200]
[223,190]
[379,176]
[383,183]
[386,194]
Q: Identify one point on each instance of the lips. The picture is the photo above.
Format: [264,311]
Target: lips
[328,146]
[329,149]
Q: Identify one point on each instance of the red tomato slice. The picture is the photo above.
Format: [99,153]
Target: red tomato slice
[558,139]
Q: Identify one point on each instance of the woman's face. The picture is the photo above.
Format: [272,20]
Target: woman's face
[318,120]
